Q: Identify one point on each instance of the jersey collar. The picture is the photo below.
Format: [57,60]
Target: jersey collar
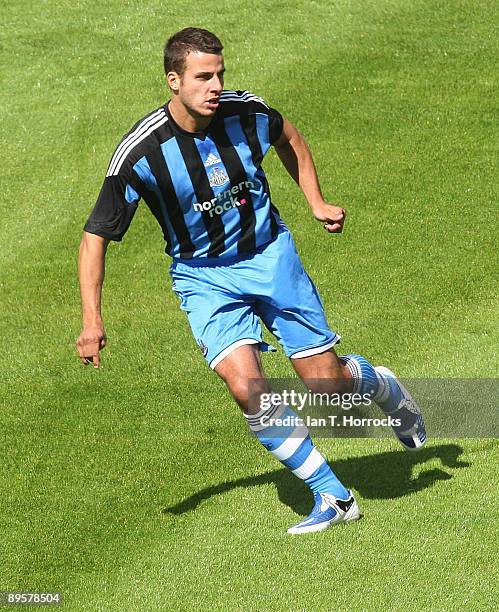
[201,135]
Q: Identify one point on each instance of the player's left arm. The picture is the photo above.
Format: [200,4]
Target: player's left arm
[296,157]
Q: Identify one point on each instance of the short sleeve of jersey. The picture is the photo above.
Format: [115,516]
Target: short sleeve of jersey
[255,105]
[276,121]
[114,209]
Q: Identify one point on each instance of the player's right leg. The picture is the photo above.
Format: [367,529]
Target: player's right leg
[284,435]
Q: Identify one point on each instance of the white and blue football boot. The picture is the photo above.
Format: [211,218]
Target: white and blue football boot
[328,510]
[412,431]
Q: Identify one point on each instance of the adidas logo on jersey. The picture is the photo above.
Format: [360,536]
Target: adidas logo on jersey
[211,160]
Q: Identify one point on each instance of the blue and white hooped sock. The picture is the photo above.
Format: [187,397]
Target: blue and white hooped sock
[385,391]
[291,444]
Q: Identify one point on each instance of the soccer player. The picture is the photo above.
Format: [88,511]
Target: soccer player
[196,163]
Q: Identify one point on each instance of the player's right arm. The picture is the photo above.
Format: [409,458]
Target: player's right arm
[109,220]
[91,269]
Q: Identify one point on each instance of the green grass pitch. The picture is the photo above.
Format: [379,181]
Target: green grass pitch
[137,487]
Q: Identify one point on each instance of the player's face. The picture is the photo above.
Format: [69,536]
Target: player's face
[198,89]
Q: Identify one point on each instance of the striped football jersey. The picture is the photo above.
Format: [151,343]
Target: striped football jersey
[206,189]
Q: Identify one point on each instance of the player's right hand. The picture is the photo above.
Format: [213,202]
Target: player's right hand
[89,343]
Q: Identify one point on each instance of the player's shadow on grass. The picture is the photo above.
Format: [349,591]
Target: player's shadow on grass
[381,476]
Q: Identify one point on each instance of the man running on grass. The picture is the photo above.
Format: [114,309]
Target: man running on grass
[196,163]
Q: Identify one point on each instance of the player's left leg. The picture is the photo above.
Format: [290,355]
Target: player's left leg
[327,373]
[293,311]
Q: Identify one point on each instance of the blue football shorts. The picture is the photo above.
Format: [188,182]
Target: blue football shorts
[226,303]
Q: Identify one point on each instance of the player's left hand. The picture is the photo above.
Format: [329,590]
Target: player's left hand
[333,217]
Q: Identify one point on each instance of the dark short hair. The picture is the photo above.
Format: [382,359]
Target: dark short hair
[186,41]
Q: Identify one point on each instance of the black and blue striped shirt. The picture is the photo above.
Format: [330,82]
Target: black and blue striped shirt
[207,189]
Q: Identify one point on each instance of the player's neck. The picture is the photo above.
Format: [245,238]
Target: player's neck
[184,119]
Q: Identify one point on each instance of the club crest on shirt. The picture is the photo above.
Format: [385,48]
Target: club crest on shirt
[211,160]
[218,177]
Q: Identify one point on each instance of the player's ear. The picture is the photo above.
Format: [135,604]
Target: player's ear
[173,80]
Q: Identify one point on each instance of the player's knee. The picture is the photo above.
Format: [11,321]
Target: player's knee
[239,389]
[242,373]
[329,385]
[324,373]
[246,391]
